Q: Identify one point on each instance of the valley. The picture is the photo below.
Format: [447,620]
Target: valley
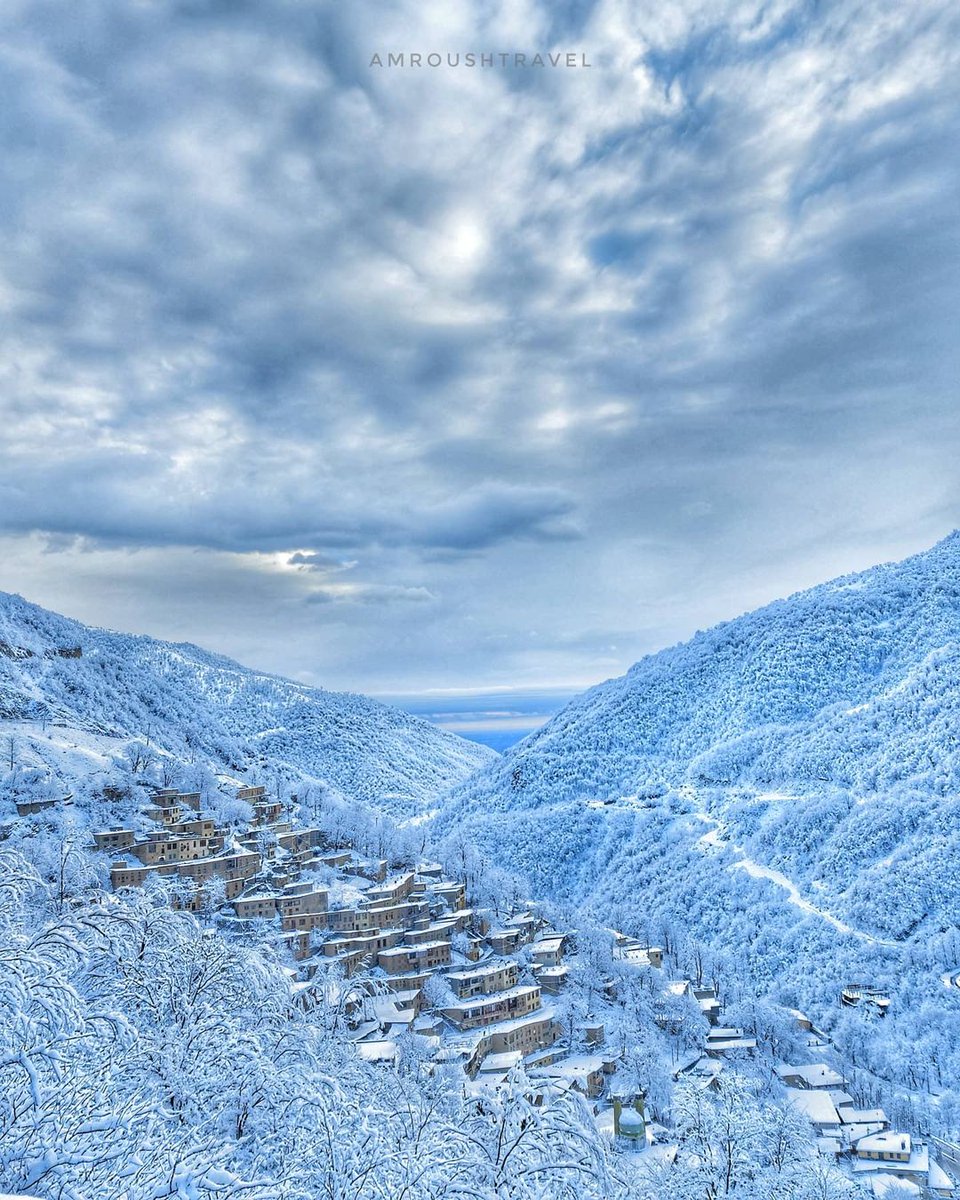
[718,889]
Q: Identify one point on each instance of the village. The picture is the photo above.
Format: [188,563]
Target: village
[407,960]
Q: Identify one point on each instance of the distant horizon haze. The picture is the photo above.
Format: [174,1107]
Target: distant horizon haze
[498,717]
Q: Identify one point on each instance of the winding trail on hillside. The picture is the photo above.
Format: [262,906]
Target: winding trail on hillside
[715,837]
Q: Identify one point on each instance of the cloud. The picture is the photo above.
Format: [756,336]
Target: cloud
[620,348]
[118,506]
[324,563]
[371,593]
[493,512]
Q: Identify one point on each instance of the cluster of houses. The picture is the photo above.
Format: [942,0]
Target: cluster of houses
[862,1137]
[475,989]
[722,1041]
[190,846]
[479,989]
[859,1139]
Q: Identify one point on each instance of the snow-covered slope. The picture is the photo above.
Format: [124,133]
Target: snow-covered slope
[786,779]
[201,708]
[855,682]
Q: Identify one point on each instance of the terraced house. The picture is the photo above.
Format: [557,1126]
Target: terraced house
[485,1010]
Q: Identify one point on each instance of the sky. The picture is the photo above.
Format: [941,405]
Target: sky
[470,386]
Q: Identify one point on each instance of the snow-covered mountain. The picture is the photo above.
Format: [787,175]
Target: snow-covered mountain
[784,785]
[72,696]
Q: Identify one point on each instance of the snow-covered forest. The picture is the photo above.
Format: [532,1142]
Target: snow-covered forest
[773,807]
[784,787]
[143,1055]
[199,708]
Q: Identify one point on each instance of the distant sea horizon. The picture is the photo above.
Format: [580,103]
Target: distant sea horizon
[498,717]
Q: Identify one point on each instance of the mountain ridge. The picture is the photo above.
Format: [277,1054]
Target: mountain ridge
[804,685]
[784,785]
[191,704]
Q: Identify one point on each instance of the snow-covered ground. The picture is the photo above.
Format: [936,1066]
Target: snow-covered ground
[67,689]
[716,839]
[760,872]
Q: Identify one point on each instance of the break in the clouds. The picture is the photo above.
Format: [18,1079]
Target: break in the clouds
[447,377]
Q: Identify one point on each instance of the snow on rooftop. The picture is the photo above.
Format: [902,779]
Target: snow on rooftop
[816,1106]
[814,1075]
[484,998]
[860,1116]
[468,1039]
[889,1142]
[883,1185]
[917,1164]
[500,1062]
[396,951]
[488,968]
[574,1064]
[383,1050]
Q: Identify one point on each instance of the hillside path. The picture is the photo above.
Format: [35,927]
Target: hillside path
[715,837]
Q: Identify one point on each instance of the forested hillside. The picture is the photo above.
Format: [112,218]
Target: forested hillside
[244,1052]
[74,697]
[785,785]
[853,683]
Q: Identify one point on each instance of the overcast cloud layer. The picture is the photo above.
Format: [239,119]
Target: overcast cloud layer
[394,379]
